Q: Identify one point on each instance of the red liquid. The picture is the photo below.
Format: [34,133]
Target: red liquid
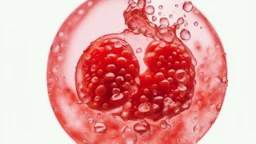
[95,125]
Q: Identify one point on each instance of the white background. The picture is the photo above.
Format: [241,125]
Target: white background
[27,28]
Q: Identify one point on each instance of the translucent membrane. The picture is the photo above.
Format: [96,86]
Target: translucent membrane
[95,18]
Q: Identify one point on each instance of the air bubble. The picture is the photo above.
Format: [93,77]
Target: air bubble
[129,136]
[181,76]
[150,10]
[100,128]
[142,128]
[188,6]
[185,34]
[171,16]
[138,50]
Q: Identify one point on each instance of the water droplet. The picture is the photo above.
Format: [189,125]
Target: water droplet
[129,136]
[100,127]
[188,6]
[195,23]
[55,48]
[154,18]
[138,50]
[224,80]
[160,7]
[185,34]
[143,128]
[150,10]
[164,22]
[91,120]
[218,107]
[197,129]
[160,14]
[118,44]
[98,115]
[163,124]
[181,76]
[144,107]
[100,90]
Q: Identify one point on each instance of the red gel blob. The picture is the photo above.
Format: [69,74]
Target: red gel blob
[161,82]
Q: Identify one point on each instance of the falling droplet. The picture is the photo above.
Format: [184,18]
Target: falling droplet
[188,6]
[185,34]
[100,128]
[129,135]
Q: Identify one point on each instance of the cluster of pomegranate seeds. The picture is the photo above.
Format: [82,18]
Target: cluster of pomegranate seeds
[106,74]
[108,77]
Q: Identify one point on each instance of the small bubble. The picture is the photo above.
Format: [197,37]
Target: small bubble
[150,10]
[185,34]
[195,23]
[176,5]
[129,135]
[188,6]
[138,50]
[160,14]
[197,129]
[100,128]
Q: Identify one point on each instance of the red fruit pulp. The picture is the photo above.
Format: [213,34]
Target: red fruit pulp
[147,119]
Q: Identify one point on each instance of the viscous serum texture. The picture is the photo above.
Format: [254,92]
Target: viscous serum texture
[154,72]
